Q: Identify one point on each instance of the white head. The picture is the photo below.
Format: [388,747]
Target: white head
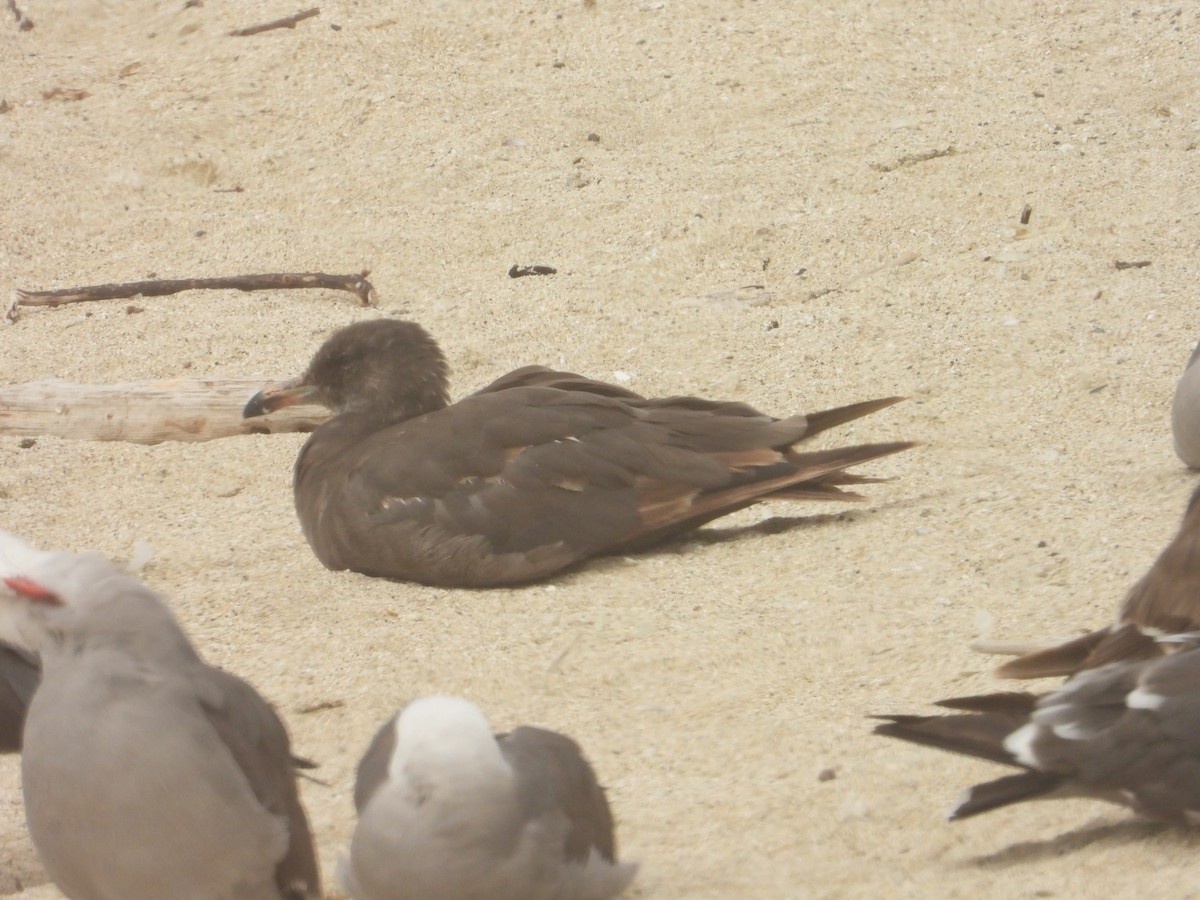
[15,554]
[16,558]
[48,597]
[444,736]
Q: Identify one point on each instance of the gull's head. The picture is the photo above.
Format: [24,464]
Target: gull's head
[49,597]
[444,734]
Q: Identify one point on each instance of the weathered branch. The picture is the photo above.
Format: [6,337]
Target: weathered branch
[354,284]
[24,23]
[145,412]
[285,22]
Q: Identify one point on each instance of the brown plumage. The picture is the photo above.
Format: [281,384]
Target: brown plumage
[1166,600]
[537,471]
[20,669]
[1126,732]
[19,676]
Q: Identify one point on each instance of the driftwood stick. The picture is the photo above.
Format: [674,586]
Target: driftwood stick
[24,23]
[354,284]
[145,412]
[285,22]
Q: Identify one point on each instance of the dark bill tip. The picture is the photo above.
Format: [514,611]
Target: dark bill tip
[275,397]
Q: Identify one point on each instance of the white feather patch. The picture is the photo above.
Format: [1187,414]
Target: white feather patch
[1072,731]
[1186,637]
[1144,699]
[1020,745]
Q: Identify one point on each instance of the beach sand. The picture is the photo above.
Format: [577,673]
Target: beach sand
[864,166]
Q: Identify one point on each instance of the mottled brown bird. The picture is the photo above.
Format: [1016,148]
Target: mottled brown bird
[1128,733]
[1166,600]
[534,473]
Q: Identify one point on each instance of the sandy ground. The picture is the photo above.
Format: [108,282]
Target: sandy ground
[867,165]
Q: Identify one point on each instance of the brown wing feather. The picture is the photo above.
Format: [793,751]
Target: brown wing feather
[553,777]
[1027,785]
[372,770]
[831,418]
[540,376]
[980,735]
[1165,600]
[801,479]
[19,677]
[1127,643]
[1017,704]
[1091,737]
[258,741]
[1167,597]
[1059,661]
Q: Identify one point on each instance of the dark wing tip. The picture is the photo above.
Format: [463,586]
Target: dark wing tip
[372,769]
[830,418]
[981,798]
[1014,702]
[1054,662]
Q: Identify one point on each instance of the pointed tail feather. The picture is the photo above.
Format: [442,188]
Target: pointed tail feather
[831,418]
[1127,644]
[790,485]
[1017,704]
[827,487]
[981,798]
[822,463]
[686,509]
[1065,659]
[980,735]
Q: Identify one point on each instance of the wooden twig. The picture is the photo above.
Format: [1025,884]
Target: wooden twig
[62,93]
[24,23]
[911,159]
[354,284]
[522,271]
[285,22]
[145,412]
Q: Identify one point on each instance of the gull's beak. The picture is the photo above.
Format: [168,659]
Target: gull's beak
[277,396]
